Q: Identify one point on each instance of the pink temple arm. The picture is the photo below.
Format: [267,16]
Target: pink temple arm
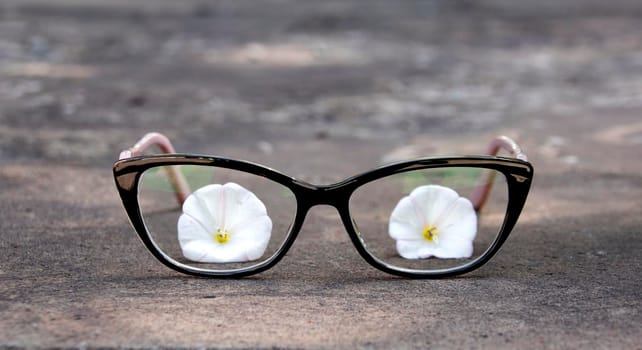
[482,191]
[181,188]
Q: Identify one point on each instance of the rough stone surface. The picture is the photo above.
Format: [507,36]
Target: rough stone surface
[322,91]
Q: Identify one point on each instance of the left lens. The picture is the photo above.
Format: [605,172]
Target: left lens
[230,220]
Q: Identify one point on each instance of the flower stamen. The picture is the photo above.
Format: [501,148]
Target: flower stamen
[431,234]
[222,236]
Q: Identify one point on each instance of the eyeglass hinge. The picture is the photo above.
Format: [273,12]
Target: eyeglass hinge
[519,178]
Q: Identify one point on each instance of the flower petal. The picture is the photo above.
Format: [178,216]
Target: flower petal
[406,220]
[434,200]
[257,229]
[401,230]
[208,200]
[453,217]
[414,249]
[454,248]
[460,220]
[189,229]
[197,250]
[197,208]
[211,252]
[242,206]
[228,207]
[251,249]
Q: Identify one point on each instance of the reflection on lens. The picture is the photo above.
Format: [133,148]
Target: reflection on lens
[229,219]
[429,219]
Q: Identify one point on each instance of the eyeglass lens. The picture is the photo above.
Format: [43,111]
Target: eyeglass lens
[426,219]
[230,220]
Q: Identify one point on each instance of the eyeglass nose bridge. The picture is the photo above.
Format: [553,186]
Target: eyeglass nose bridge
[335,195]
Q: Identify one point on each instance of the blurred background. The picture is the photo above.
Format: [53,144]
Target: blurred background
[79,80]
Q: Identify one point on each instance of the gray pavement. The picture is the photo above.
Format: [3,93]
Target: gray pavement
[320,91]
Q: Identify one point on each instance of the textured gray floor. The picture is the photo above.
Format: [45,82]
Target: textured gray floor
[322,92]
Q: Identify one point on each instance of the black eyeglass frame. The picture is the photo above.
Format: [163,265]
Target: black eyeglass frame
[518,174]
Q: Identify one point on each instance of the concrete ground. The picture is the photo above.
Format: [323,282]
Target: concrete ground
[320,90]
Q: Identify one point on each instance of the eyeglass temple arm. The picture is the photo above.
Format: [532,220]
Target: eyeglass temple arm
[181,188]
[482,191]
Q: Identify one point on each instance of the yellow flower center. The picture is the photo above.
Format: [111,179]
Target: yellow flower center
[222,236]
[431,234]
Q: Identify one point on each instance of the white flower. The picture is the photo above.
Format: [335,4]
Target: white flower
[433,221]
[223,223]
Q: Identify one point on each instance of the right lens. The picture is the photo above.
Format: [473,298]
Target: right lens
[425,220]
[230,220]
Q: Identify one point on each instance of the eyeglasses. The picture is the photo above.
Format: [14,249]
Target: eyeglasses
[424,218]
